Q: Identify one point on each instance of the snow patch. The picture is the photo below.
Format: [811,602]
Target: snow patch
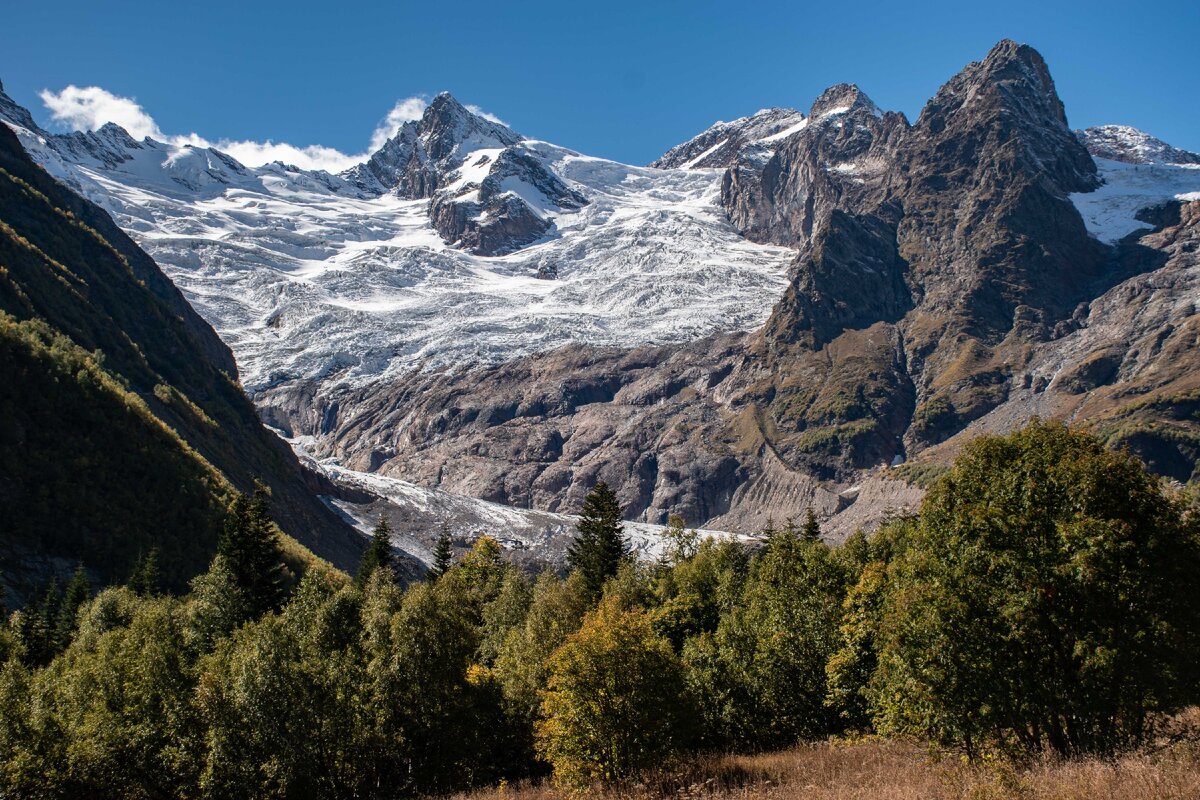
[1109,211]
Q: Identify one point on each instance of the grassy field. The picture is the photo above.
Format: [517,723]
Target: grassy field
[890,770]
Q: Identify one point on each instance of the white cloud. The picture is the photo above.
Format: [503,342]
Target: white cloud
[479,112]
[406,110]
[89,107]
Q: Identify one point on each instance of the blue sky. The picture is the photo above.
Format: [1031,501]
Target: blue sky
[624,80]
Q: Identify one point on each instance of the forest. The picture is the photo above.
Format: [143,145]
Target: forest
[1043,603]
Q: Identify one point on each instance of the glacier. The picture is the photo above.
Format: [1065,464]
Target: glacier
[307,276]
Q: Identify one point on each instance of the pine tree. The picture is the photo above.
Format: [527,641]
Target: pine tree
[79,590]
[811,532]
[251,548]
[769,531]
[443,554]
[379,552]
[146,578]
[599,547]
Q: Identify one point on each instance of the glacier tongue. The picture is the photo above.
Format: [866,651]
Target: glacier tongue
[305,275]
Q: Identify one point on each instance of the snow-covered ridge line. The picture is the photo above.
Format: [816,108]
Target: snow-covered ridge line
[308,275]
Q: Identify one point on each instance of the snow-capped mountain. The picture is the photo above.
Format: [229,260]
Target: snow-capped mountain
[1131,146]
[764,319]
[376,272]
[1138,171]
[720,145]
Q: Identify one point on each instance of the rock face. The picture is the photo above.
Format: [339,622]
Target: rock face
[1131,146]
[721,145]
[487,193]
[944,281]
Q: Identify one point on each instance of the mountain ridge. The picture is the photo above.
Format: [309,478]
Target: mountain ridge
[918,280]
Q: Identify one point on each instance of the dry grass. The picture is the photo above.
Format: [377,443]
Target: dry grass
[878,770]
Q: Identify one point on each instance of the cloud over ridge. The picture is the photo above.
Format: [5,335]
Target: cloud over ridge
[90,107]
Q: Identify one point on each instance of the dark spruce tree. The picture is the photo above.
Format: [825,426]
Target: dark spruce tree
[811,531]
[78,592]
[146,579]
[379,552]
[250,546]
[599,547]
[443,554]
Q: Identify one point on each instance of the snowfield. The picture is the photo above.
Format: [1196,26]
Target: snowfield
[306,276]
[1110,211]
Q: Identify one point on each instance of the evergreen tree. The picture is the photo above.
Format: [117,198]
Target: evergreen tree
[443,554]
[811,532]
[146,579]
[769,532]
[599,548]
[78,591]
[379,552]
[251,549]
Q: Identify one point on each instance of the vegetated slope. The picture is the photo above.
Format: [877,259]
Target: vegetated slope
[122,422]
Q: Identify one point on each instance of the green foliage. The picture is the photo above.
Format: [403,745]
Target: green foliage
[379,552]
[693,596]
[1043,600]
[599,547]
[443,554]
[615,703]
[78,591]
[250,547]
[556,610]
[767,656]
[681,543]
[811,530]
[1040,603]
[146,579]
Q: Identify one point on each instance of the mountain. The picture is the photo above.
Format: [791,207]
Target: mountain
[789,309]
[491,194]
[1131,146]
[122,422]
[721,144]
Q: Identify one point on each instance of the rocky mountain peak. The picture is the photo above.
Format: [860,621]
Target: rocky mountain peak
[1007,103]
[16,114]
[841,98]
[1132,146]
[721,145]
[447,124]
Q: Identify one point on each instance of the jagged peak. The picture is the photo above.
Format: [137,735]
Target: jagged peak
[1011,93]
[1132,146]
[840,98]
[1012,78]
[14,113]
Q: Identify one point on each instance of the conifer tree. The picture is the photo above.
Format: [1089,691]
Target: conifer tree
[251,548]
[443,554]
[379,552]
[146,578]
[599,547]
[811,531]
[78,591]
